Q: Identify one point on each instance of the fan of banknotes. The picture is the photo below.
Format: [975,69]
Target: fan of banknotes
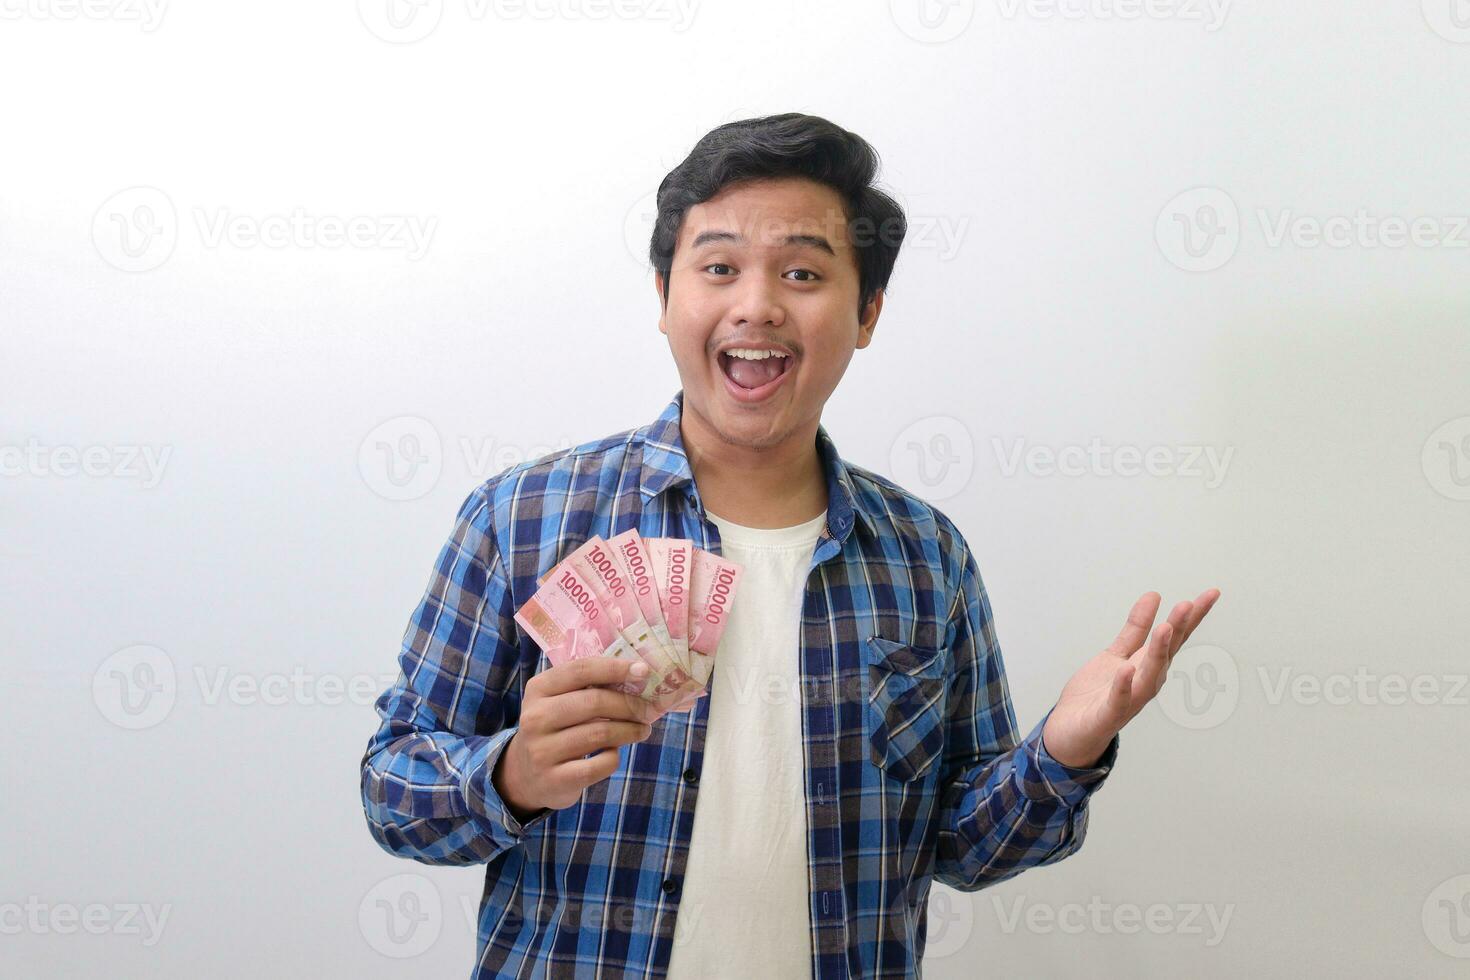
[659,600]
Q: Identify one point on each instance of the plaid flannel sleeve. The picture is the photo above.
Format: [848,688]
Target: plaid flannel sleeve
[1006,805]
[426,788]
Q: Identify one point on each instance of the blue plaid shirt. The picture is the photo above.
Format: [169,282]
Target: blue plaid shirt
[914,770]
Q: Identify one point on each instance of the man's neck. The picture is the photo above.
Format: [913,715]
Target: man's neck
[780,486]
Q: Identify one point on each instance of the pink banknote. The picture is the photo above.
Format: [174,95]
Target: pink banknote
[671,568]
[715,581]
[632,551]
[568,623]
[638,561]
[600,565]
[661,601]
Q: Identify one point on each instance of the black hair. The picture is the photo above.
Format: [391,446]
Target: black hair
[788,145]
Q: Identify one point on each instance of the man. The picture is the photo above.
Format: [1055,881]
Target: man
[858,740]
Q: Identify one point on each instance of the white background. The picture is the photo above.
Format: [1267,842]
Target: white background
[1046,298]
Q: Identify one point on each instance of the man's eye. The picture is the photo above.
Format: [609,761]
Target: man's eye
[716,267]
[806,272]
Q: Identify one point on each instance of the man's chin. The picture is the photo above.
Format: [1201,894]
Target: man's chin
[743,426]
[749,433]
[762,439]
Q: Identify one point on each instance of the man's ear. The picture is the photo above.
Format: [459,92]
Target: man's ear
[869,321]
[658,286]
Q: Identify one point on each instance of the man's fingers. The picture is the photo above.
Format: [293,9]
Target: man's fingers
[587,672]
[576,707]
[594,769]
[573,743]
[1120,694]
[1183,619]
[1152,661]
[1178,619]
[1140,618]
[1197,611]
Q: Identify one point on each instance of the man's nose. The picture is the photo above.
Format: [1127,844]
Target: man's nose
[758,302]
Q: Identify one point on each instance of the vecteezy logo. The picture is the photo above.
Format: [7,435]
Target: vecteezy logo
[136,229]
[936,455]
[135,688]
[401,916]
[1446,459]
[1203,694]
[932,21]
[400,21]
[1447,917]
[1450,19]
[1199,230]
[401,459]
[951,922]
[638,227]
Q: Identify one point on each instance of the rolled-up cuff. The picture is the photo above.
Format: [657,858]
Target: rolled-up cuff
[486,807]
[1044,779]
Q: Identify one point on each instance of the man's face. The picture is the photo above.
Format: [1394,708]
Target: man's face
[764,266]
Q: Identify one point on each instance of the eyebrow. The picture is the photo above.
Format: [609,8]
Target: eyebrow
[806,241]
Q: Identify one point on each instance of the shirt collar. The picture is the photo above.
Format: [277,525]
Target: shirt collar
[665,466]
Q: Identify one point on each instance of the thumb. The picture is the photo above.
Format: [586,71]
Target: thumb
[1120,695]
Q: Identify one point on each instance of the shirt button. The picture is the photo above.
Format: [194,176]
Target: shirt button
[691,777]
[669,886]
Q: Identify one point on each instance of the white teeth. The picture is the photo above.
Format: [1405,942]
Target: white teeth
[750,354]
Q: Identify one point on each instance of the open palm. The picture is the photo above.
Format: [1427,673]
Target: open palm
[1114,686]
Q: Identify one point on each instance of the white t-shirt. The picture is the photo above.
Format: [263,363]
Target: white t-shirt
[744,910]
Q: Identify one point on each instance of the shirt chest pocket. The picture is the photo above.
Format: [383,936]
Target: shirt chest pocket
[905,710]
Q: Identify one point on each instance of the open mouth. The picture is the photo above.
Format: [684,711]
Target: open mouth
[752,375]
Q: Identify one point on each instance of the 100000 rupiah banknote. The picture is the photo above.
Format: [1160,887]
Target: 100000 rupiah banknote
[714,584]
[671,567]
[660,601]
[599,564]
[565,620]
